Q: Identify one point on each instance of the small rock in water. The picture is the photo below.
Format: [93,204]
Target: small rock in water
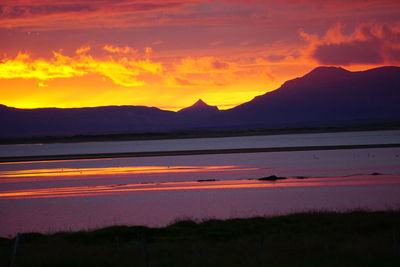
[271,178]
[206,180]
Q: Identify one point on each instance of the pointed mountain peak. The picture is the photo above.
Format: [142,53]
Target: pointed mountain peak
[200,103]
[201,106]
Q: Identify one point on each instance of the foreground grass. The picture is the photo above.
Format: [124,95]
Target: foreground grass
[357,238]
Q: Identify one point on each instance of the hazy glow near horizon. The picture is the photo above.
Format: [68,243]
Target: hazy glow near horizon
[168,54]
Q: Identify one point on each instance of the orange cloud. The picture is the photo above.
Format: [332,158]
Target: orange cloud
[206,72]
[83,49]
[116,49]
[201,65]
[122,70]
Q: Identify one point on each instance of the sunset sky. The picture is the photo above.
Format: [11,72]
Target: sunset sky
[169,53]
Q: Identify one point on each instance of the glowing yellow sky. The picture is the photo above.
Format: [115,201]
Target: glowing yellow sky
[124,76]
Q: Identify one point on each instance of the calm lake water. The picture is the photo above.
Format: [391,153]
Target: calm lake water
[85,194]
[285,140]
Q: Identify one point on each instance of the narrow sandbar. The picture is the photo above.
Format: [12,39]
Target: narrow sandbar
[188,152]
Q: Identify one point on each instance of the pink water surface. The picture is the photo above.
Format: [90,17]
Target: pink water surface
[86,194]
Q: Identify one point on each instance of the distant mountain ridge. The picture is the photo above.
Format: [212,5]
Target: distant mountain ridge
[326,96]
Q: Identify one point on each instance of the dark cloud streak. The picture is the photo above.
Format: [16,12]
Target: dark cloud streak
[41,9]
[10,12]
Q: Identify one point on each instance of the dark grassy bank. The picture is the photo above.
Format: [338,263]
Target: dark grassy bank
[198,134]
[357,238]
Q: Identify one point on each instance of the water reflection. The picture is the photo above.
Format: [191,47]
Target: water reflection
[54,174]
[50,196]
[80,191]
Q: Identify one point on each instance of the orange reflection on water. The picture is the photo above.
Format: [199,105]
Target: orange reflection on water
[194,185]
[77,173]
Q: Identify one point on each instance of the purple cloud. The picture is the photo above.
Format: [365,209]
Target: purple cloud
[368,44]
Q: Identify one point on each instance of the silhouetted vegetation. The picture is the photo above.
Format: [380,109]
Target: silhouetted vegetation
[357,238]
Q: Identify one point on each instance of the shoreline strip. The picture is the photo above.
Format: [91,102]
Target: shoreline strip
[187,152]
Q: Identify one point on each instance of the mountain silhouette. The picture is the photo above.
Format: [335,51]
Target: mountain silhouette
[326,96]
[199,106]
[76,121]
